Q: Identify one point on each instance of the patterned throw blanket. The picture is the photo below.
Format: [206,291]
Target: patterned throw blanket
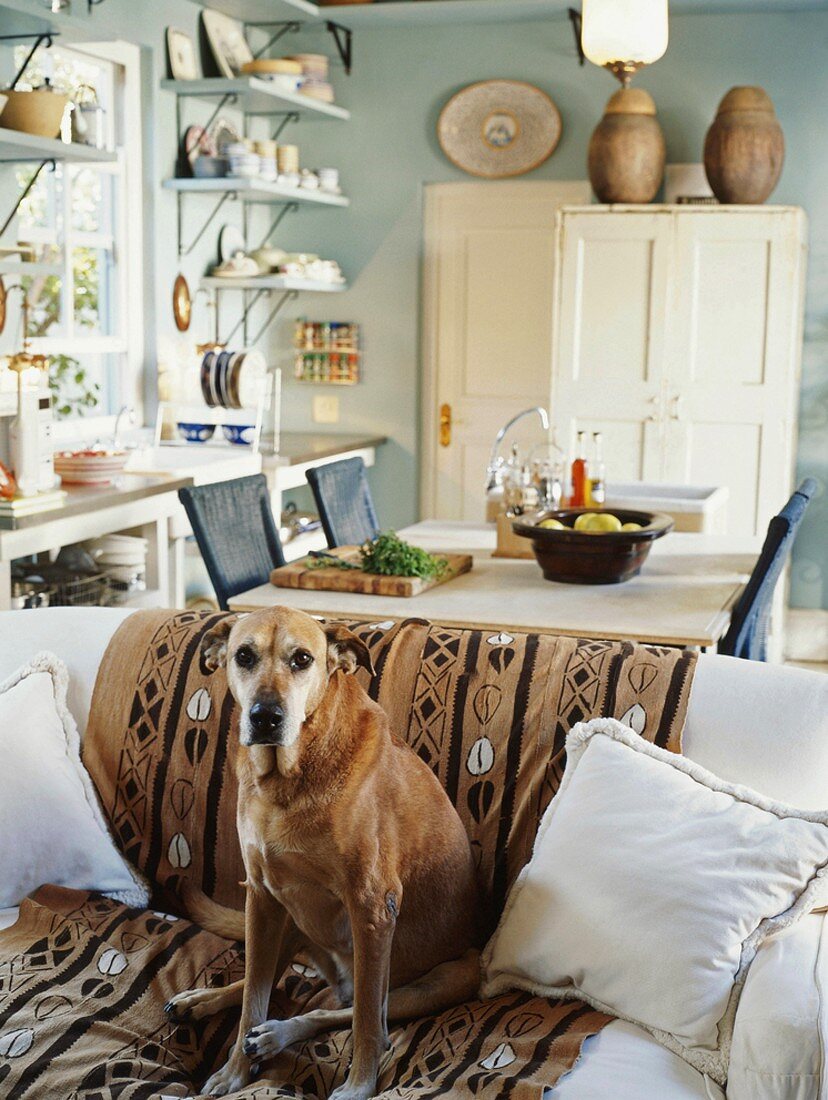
[83,980]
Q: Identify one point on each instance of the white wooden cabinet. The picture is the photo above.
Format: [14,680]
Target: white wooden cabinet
[677,334]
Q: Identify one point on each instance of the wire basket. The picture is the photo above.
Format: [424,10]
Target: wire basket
[90,591]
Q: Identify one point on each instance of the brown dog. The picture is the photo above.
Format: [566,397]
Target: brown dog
[352,850]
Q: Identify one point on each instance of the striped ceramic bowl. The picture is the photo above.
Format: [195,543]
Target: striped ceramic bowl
[89,467]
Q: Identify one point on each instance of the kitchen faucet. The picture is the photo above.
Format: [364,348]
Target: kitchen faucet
[129,413]
[495,461]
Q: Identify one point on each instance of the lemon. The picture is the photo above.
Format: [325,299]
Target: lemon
[552,524]
[597,522]
[631,527]
[584,521]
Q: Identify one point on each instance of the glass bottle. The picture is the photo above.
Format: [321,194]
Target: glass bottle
[597,473]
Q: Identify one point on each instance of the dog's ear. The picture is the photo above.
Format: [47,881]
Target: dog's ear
[214,644]
[346,650]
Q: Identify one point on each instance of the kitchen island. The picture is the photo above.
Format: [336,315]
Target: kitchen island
[683,596]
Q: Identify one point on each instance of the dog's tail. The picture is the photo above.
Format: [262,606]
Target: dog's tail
[216,918]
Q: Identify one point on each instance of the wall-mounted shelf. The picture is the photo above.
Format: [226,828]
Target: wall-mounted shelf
[17,147]
[255,96]
[255,191]
[272,282]
[271,11]
[409,13]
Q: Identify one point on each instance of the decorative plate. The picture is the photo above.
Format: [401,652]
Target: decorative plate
[182,303]
[499,128]
[227,42]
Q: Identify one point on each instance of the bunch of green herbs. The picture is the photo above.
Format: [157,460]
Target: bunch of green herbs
[389,556]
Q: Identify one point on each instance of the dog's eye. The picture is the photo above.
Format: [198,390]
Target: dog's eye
[301,659]
[245,657]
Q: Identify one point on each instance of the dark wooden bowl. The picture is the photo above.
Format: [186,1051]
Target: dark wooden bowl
[585,557]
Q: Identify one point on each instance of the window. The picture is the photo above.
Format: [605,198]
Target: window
[76,219]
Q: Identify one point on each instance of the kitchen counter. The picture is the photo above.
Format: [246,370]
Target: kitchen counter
[683,595]
[135,503]
[300,448]
[83,499]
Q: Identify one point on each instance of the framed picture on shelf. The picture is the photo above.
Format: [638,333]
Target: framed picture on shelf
[181,55]
[225,37]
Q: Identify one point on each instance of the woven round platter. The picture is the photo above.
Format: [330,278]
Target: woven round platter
[499,128]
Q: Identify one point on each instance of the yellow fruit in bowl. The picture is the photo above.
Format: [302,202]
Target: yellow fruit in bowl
[631,527]
[597,523]
[552,524]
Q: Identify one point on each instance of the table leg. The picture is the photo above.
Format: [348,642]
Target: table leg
[5,585]
[177,559]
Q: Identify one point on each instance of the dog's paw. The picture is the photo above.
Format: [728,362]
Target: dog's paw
[185,1006]
[268,1039]
[354,1091]
[231,1077]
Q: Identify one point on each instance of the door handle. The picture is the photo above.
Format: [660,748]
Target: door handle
[655,401]
[675,407]
[445,425]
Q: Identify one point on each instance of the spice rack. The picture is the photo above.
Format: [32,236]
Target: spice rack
[327,352]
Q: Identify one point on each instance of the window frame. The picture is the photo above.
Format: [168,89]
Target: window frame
[128,241]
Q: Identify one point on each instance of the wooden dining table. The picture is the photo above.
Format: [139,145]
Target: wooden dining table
[682,597]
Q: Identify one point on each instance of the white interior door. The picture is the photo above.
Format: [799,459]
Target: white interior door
[489,294]
[731,358]
[608,371]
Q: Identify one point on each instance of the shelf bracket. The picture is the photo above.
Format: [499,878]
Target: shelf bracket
[291,208]
[41,38]
[182,251]
[344,39]
[575,20]
[291,116]
[286,297]
[25,192]
[283,29]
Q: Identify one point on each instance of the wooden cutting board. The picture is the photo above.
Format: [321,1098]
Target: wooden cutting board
[331,579]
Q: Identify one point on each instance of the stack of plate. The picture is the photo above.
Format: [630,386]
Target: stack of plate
[315,76]
[232,379]
[89,467]
[123,559]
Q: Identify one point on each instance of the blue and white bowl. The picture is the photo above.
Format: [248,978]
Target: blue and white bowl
[195,433]
[242,434]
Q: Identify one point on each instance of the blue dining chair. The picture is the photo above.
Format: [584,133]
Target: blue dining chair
[748,633]
[343,500]
[234,527]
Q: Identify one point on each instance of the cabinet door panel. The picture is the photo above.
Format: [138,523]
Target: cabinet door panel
[609,335]
[732,358]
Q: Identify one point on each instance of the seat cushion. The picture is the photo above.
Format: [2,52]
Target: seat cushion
[84,981]
[625,1063]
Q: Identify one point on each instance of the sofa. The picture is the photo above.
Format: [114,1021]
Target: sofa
[760,725]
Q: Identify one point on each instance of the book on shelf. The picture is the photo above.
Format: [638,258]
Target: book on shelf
[26,506]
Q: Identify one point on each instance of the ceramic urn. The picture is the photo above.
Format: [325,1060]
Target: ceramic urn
[626,150]
[744,149]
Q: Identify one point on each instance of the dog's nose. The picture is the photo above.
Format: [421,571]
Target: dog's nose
[266,720]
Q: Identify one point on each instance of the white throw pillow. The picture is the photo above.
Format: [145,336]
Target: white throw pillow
[651,886]
[52,829]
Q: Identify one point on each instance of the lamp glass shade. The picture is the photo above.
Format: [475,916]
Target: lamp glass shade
[624,30]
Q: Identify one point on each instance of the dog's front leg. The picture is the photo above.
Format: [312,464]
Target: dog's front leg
[373,919]
[264,929]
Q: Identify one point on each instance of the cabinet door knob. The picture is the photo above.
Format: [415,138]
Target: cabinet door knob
[675,407]
[655,401]
[445,425]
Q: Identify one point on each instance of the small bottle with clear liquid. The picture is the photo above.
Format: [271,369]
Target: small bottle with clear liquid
[597,473]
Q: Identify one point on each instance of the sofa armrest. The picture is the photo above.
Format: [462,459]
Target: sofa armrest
[780,1025]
